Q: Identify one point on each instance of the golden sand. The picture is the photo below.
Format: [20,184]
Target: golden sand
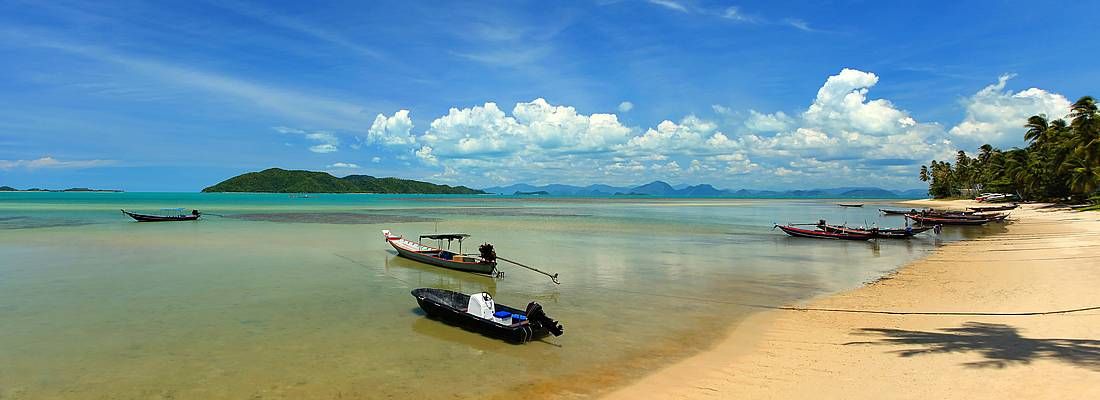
[1047,260]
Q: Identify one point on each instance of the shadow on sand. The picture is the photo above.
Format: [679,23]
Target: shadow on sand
[1001,345]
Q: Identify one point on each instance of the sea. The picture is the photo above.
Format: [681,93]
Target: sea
[276,296]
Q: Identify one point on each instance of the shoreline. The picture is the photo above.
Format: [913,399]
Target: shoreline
[1038,264]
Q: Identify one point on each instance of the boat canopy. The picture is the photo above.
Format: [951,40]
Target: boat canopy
[445,236]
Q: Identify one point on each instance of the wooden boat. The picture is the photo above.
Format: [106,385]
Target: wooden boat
[820,234]
[194,215]
[479,313]
[485,263]
[994,208]
[878,233]
[897,212]
[850,204]
[930,220]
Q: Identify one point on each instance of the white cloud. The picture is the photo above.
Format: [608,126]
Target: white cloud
[735,14]
[48,162]
[392,131]
[376,160]
[842,103]
[799,24]
[670,4]
[326,142]
[343,165]
[774,122]
[997,116]
[626,106]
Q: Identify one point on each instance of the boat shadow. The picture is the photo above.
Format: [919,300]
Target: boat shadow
[1001,345]
[417,274]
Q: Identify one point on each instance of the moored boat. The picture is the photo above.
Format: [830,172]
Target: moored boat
[930,220]
[479,313]
[850,204]
[995,208]
[878,233]
[821,234]
[194,215]
[485,263]
[897,212]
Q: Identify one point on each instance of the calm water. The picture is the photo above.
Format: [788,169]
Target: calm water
[293,298]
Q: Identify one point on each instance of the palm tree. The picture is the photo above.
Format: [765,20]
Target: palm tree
[1086,128]
[1037,127]
[924,174]
[1084,177]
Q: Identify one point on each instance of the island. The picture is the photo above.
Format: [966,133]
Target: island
[278,180]
[78,189]
[536,193]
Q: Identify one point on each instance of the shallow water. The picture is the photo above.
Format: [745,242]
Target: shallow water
[279,297]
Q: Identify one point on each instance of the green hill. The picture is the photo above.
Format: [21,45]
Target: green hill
[277,180]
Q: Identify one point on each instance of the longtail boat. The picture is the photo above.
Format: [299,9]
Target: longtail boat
[194,215]
[897,212]
[850,204]
[995,208]
[820,234]
[878,233]
[485,263]
[929,220]
[479,313]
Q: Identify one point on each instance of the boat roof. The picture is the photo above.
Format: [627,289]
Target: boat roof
[445,236]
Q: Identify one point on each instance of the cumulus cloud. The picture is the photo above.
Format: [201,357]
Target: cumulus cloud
[533,127]
[48,162]
[996,116]
[326,141]
[626,106]
[391,131]
[843,137]
[343,165]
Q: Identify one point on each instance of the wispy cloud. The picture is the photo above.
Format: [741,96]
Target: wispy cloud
[799,24]
[48,162]
[670,4]
[284,102]
[735,14]
[293,24]
[326,142]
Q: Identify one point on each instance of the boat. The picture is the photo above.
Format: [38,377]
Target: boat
[821,234]
[485,263]
[479,313]
[194,215]
[994,208]
[930,220]
[878,233]
[850,204]
[897,212]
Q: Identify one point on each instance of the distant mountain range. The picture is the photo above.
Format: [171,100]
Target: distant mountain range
[11,189]
[663,189]
[276,180]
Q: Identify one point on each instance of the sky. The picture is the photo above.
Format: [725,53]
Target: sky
[176,96]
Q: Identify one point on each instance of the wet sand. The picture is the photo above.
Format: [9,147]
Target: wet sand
[1045,261]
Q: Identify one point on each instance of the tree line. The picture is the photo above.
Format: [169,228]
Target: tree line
[1061,161]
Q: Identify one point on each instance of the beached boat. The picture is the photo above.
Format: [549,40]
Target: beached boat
[878,233]
[479,313]
[850,204]
[931,220]
[194,215]
[820,234]
[897,212]
[485,263]
[995,208]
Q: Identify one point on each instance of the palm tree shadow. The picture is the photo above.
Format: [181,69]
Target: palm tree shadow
[1001,345]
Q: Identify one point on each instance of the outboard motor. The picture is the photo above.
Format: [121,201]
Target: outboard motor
[487,252]
[537,317]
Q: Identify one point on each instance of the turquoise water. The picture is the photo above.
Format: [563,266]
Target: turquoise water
[271,296]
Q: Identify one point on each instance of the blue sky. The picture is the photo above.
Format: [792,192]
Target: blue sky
[174,96]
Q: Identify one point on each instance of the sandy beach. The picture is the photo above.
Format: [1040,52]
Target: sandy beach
[1045,261]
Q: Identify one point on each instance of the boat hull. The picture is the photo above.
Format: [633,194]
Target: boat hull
[450,307]
[159,218]
[806,233]
[953,221]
